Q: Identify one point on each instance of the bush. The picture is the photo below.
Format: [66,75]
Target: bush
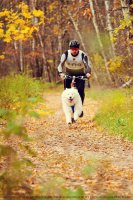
[116,111]
[16,91]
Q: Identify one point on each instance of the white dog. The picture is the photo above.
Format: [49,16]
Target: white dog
[71,97]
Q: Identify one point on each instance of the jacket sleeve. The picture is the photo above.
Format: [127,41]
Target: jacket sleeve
[62,62]
[87,64]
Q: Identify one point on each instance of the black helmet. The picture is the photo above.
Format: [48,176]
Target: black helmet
[74,44]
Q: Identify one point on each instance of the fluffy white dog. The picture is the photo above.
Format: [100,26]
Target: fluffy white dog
[71,97]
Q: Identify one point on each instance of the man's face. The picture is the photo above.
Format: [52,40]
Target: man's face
[74,51]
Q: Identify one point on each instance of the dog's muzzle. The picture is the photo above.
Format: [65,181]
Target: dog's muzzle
[70,99]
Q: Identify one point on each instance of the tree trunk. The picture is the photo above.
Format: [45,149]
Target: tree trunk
[125,11]
[99,13]
[21,56]
[125,8]
[45,75]
[99,39]
[82,43]
[109,25]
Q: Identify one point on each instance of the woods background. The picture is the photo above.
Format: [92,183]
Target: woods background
[34,34]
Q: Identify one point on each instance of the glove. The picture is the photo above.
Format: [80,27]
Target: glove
[88,75]
[62,75]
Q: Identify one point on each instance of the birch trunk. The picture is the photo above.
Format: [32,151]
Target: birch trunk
[59,21]
[43,56]
[109,25]
[125,8]
[75,24]
[21,55]
[99,39]
[125,11]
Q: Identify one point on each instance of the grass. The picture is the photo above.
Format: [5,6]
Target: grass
[116,111]
[20,92]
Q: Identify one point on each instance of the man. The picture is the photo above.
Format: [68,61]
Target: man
[75,62]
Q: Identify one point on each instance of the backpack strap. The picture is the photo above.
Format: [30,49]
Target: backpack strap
[66,54]
[82,55]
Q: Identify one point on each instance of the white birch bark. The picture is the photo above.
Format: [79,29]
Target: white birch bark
[21,55]
[43,55]
[125,11]
[75,24]
[59,21]
[77,30]
[99,39]
[125,8]
[109,25]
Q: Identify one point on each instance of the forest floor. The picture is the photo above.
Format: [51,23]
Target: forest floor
[79,155]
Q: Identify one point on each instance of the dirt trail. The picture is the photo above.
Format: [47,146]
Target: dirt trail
[65,152]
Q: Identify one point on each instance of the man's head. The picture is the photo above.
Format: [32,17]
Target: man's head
[74,47]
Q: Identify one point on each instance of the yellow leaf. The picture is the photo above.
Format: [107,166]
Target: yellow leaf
[4,13]
[27,15]
[1,33]
[2,57]
[37,13]
[50,61]
[26,30]
[1,24]
[7,39]
[19,37]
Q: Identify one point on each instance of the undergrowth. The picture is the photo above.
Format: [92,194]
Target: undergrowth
[116,110]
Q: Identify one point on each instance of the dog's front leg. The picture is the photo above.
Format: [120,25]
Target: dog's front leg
[68,113]
[76,115]
[77,112]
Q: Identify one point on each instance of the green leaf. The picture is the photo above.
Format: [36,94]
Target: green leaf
[34,114]
[3,112]
[73,194]
[33,99]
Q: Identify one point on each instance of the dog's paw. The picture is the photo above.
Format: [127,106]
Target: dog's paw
[76,117]
[73,121]
[82,114]
[69,124]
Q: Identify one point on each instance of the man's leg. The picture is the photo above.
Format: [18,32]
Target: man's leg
[67,83]
[80,84]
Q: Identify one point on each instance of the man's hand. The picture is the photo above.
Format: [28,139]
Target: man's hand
[62,75]
[88,75]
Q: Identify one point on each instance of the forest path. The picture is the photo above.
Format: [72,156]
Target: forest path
[66,152]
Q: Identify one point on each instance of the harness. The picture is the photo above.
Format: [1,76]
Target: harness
[74,64]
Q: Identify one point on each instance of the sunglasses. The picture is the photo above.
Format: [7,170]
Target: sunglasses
[74,49]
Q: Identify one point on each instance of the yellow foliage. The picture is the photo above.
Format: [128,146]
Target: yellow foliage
[1,24]
[19,25]
[1,33]
[115,63]
[2,57]
[98,61]
[12,28]
[27,15]
[131,42]
[5,13]
[7,39]
[53,6]
[38,13]
[23,6]
[25,30]
[20,22]
[19,37]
